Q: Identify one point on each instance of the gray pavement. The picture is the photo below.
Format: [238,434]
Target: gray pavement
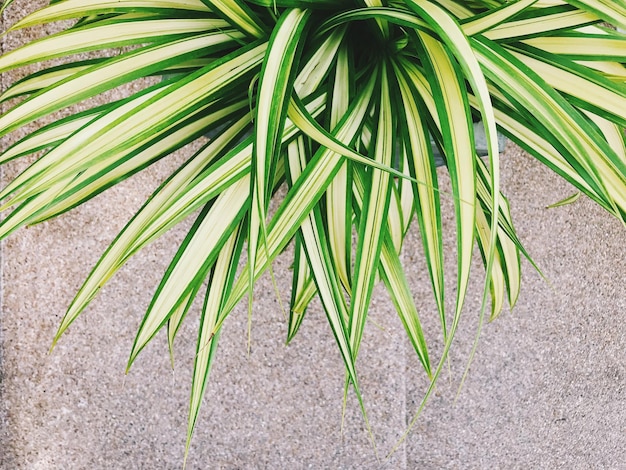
[546,389]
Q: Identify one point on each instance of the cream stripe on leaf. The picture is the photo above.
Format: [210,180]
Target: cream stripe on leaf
[541,22]
[496,279]
[51,134]
[406,197]
[239,15]
[457,9]
[374,215]
[275,89]
[69,9]
[577,46]
[613,133]
[193,260]
[510,256]
[111,73]
[303,290]
[492,18]
[106,35]
[455,125]
[392,274]
[319,65]
[426,194]
[586,89]
[206,346]
[338,195]
[592,155]
[46,78]
[175,320]
[395,214]
[611,11]
[305,193]
[505,224]
[187,190]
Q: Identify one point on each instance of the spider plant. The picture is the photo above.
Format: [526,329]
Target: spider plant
[327,108]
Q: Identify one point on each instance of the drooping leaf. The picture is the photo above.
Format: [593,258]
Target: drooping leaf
[345,103]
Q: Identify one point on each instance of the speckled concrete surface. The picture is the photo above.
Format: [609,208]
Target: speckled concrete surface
[546,388]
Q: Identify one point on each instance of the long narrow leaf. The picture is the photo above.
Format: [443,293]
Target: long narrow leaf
[373,218]
[275,89]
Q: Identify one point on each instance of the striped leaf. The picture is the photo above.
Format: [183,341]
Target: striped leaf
[69,9]
[422,167]
[221,282]
[373,217]
[275,87]
[344,102]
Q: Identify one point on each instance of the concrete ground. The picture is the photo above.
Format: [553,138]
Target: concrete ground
[546,389]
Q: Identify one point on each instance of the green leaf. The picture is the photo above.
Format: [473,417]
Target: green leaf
[564,202]
[275,88]
[422,167]
[50,135]
[592,157]
[456,128]
[338,195]
[192,262]
[112,33]
[588,89]
[542,21]
[112,73]
[341,100]
[46,78]
[239,15]
[392,274]
[119,167]
[579,46]
[164,209]
[221,282]
[322,269]
[304,194]
[69,9]
[492,18]
[373,217]
[303,290]
[612,11]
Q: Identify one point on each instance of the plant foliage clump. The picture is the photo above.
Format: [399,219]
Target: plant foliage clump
[341,102]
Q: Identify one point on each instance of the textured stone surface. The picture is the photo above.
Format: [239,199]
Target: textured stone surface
[545,390]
